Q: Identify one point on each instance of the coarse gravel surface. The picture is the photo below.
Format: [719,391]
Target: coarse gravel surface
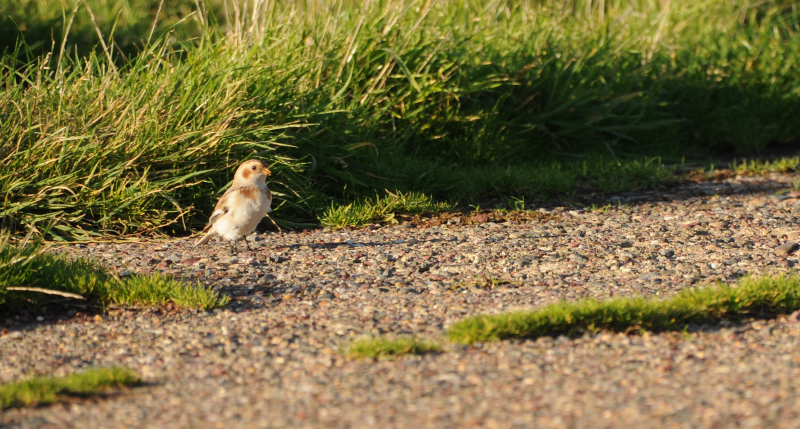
[272,358]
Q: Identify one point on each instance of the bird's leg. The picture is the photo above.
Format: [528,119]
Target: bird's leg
[233,247]
[246,245]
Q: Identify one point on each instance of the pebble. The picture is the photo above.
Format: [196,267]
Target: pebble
[787,248]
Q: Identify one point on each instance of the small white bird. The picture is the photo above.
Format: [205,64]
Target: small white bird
[243,206]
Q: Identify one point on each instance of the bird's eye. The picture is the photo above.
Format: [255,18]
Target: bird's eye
[253,167]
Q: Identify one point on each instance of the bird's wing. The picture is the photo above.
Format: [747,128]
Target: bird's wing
[223,207]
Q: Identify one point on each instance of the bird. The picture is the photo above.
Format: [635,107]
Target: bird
[242,206]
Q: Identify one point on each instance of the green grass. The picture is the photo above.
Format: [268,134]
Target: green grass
[381,209]
[382,348]
[28,266]
[756,166]
[344,99]
[752,297]
[517,184]
[47,390]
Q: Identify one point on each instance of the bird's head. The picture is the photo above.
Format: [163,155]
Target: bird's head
[252,171]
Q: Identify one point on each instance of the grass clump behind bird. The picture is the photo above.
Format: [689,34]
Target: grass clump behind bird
[753,297]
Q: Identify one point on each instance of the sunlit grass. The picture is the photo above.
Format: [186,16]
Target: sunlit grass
[380,209]
[753,297]
[747,167]
[377,348]
[26,266]
[47,390]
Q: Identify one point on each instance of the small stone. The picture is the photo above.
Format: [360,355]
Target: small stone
[481,218]
[787,248]
[164,264]
[524,261]
[667,253]
[325,296]
[14,335]
[578,258]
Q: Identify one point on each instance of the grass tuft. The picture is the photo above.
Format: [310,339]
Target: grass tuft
[159,289]
[47,390]
[755,166]
[381,348]
[381,209]
[752,297]
[27,265]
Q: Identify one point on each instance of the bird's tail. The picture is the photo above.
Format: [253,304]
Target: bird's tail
[207,237]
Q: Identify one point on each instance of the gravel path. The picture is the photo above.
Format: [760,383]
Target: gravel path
[271,358]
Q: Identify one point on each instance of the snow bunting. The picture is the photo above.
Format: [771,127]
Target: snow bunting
[244,205]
